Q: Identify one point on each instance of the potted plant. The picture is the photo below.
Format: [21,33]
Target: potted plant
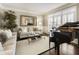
[9,18]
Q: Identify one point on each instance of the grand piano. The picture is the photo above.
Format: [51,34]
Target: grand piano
[67,33]
[71,27]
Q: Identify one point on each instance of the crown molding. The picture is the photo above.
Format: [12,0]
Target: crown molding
[16,10]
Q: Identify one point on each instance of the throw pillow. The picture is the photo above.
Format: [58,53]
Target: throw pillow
[8,33]
[5,35]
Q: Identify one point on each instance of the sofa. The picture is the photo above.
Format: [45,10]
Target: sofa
[8,47]
[23,32]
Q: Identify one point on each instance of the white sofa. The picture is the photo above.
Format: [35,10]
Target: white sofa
[9,47]
[1,49]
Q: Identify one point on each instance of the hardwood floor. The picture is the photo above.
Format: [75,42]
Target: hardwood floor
[41,45]
[65,49]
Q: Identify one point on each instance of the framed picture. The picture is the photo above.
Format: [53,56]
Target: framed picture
[26,20]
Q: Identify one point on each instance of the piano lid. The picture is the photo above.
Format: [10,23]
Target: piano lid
[71,24]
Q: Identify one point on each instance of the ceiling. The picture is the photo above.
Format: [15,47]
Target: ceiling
[34,8]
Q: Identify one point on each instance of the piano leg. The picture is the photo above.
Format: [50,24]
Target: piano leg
[57,48]
[78,37]
[78,41]
[49,44]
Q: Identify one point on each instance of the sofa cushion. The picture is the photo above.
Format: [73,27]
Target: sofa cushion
[8,33]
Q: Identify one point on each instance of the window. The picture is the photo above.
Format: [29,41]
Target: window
[58,21]
[71,17]
[62,17]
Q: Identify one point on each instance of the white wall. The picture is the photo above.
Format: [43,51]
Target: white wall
[40,22]
[45,24]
